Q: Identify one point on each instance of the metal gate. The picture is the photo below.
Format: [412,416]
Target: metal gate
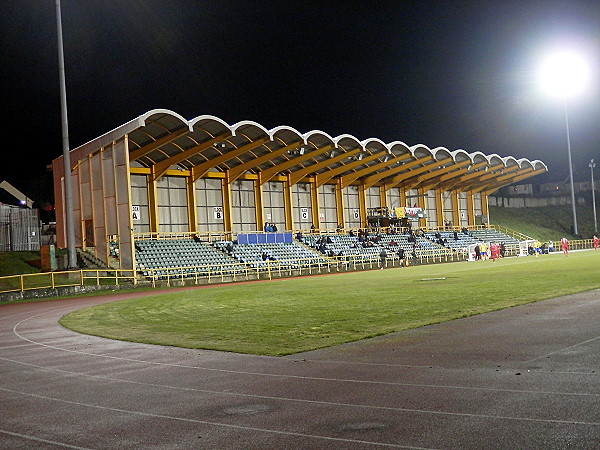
[20,229]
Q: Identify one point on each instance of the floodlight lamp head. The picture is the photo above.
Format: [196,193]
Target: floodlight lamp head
[564,74]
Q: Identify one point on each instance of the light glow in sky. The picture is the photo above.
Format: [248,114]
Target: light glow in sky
[564,74]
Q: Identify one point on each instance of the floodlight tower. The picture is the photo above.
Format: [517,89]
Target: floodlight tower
[591,165]
[565,74]
[68,197]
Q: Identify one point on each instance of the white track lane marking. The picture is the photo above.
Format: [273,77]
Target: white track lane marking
[563,349]
[317,402]
[45,441]
[17,346]
[218,424]
[273,375]
[416,366]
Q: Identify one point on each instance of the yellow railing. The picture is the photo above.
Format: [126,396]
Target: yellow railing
[235,271]
[67,278]
[216,273]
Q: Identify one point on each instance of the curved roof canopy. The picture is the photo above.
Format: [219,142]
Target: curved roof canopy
[161,140]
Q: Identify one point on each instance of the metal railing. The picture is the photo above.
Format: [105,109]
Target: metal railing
[67,278]
[217,273]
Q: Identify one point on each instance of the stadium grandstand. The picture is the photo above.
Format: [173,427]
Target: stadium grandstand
[163,192]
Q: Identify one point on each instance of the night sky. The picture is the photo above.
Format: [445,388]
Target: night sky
[455,74]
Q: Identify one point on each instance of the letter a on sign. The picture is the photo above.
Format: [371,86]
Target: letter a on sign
[135,213]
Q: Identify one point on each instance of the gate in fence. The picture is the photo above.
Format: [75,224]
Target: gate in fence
[20,229]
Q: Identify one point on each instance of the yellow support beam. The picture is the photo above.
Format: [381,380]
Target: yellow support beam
[439,206]
[143,151]
[455,208]
[508,174]
[237,171]
[258,203]
[423,206]
[152,204]
[191,204]
[227,207]
[322,178]
[396,180]
[375,178]
[314,204]
[200,170]
[272,171]
[161,167]
[339,203]
[288,204]
[453,183]
[470,209]
[478,179]
[450,175]
[300,174]
[485,210]
[362,205]
[350,178]
[434,174]
[529,172]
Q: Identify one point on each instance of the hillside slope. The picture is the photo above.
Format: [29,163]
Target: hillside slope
[544,223]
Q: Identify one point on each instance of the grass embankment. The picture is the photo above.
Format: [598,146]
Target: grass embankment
[293,315]
[545,222]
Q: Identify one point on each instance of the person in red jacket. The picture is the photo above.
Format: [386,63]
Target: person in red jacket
[494,251]
[596,242]
[564,244]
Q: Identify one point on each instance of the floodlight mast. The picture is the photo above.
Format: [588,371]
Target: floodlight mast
[575,230]
[565,73]
[591,165]
[68,197]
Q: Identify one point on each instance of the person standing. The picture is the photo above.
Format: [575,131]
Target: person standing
[564,244]
[596,242]
[483,250]
[494,251]
[382,258]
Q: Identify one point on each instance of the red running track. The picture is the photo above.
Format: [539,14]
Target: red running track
[526,377]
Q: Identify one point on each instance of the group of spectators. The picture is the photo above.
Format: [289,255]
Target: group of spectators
[270,227]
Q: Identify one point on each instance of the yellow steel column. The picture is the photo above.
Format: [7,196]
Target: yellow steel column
[470,209]
[362,205]
[485,211]
[258,203]
[227,210]
[339,202]
[152,201]
[287,202]
[422,205]
[439,206]
[191,203]
[455,208]
[382,197]
[402,194]
[314,204]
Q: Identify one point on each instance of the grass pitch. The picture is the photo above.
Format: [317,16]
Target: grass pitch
[298,314]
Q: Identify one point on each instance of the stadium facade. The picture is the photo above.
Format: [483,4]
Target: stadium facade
[162,174]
